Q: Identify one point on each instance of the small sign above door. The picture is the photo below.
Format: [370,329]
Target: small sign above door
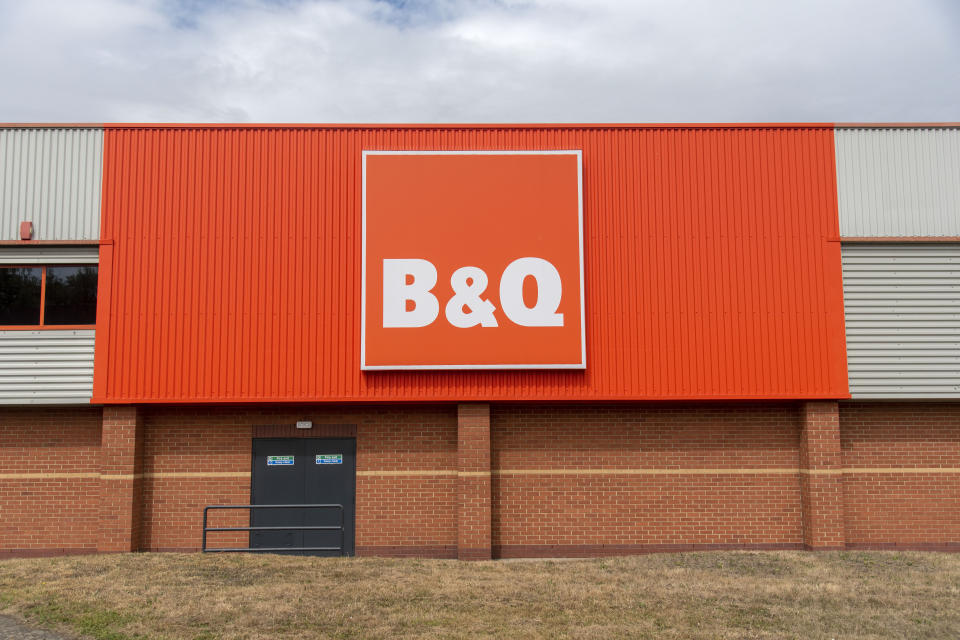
[281,461]
[330,458]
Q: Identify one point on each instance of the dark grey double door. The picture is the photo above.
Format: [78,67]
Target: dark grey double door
[303,471]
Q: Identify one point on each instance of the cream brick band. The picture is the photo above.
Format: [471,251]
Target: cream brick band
[423,472]
[507,472]
[123,476]
[656,472]
[47,476]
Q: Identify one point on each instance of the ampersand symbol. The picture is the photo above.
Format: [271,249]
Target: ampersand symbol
[468,283]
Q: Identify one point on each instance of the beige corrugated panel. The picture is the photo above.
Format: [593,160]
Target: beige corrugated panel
[898,182]
[902,305]
[46,367]
[52,178]
[49,255]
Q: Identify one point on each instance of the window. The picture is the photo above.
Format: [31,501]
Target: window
[52,296]
[71,295]
[20,295]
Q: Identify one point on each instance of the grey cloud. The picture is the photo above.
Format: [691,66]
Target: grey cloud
[474,61]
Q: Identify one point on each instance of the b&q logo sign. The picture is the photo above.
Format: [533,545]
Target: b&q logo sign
[472,260]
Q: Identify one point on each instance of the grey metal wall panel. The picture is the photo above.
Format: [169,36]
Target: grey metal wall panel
[38,254]
[898,182]
[46,367]
[902,306]
[51,177]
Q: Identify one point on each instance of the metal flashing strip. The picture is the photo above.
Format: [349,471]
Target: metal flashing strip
[44,254]
[897,239]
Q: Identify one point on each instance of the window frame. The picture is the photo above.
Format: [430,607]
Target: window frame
[43,299]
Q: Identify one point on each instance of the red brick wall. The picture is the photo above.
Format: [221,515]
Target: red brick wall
[179,445]
[407,514]
[821,475]
[45,510]
[404,506]
[884,508]
[566,479]
[474,478]
[710,488]
[121,479]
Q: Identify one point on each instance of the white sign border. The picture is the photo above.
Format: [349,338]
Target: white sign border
[363,264]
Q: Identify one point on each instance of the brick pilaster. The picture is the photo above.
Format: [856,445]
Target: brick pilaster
[121,471]
[473,455]
[821,479]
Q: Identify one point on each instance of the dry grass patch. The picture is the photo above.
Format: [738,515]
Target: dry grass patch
[697,595]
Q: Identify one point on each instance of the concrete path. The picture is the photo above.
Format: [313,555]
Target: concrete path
[11,629]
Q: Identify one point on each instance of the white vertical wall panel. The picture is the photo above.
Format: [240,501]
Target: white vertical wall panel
[46,367]
[902,307]
[898,182]
[51,177]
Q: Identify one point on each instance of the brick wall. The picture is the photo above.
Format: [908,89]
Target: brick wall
[901,476]
[563,479]
[474,481]
[121,479]
[407,494]
[193,457]
[49,480]
[583,480]
[406,472]
[821,476]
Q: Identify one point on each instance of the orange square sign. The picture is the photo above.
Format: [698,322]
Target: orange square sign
[472,260]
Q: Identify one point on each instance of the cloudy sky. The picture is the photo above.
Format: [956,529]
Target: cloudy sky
[479,60]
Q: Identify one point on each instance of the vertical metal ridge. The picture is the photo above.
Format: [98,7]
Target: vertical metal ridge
[237,265]
[894,182]
[52,178]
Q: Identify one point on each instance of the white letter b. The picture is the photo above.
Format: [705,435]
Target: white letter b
[396,293]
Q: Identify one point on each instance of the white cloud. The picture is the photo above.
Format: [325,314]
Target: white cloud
[475,61]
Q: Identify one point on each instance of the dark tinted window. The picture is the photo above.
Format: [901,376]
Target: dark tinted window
[19,295]
[71,296]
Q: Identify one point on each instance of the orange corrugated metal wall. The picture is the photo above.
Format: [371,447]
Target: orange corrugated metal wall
[232,269]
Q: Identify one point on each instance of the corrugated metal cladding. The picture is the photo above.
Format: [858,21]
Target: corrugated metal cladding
[903,320]
[39,254]
[46,367]
[51,177]
[234,273]
[898,182]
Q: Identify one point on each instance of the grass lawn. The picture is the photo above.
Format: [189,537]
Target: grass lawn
[694,595]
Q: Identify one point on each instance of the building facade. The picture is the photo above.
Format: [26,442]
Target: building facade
[482,340]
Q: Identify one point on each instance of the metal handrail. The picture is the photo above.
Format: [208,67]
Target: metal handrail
[251,507]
